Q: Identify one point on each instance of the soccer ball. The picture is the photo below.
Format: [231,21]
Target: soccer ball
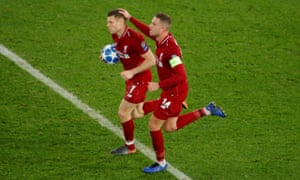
[109,54]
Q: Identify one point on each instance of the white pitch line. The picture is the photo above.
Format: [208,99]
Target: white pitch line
[23,64]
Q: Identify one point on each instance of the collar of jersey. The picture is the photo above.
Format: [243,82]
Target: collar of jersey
[165,40]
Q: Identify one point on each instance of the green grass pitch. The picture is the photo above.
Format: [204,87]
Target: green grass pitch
[244,55]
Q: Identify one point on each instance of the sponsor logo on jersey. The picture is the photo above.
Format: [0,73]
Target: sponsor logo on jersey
[123,55]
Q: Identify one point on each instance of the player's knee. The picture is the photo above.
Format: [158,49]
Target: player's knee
[137,114]
[170,127]
[122,114]
[153,125]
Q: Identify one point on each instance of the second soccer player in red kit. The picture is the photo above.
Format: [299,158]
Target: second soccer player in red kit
[137,59]
[173,82]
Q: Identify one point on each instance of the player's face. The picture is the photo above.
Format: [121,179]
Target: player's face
[114,24]
[155,27]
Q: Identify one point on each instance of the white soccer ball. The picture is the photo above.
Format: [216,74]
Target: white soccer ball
[109,54]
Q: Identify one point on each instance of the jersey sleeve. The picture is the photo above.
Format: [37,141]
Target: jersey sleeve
[140,44]
[141,26]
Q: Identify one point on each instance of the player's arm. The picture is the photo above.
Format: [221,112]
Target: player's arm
[144,28]
[147,64]
[177,77]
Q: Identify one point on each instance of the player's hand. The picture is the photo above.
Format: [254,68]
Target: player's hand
[125,13]
[127,74]
[153,86]
[101,59]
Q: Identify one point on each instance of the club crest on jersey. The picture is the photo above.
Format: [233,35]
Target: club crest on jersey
[125,49]
[159,60]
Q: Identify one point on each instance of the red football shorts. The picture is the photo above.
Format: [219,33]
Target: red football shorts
[137,87]
[170,103]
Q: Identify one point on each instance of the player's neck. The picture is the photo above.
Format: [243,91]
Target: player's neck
[121,32]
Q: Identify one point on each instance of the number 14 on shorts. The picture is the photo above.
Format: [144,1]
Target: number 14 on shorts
[165,104]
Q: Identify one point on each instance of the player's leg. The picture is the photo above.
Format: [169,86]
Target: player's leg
[144,108]
[155,125]
[125,111]
[134,95]
[138,112]
[185,119]
[170,124]
[173,123]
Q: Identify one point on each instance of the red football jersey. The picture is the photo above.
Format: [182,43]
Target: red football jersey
[166,50]
[130,47]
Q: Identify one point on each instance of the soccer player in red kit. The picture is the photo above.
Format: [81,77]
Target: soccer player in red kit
[174,85]
[137,59]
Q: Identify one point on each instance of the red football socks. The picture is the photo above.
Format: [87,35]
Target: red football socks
[158,144]
[188,118]
[128,130]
